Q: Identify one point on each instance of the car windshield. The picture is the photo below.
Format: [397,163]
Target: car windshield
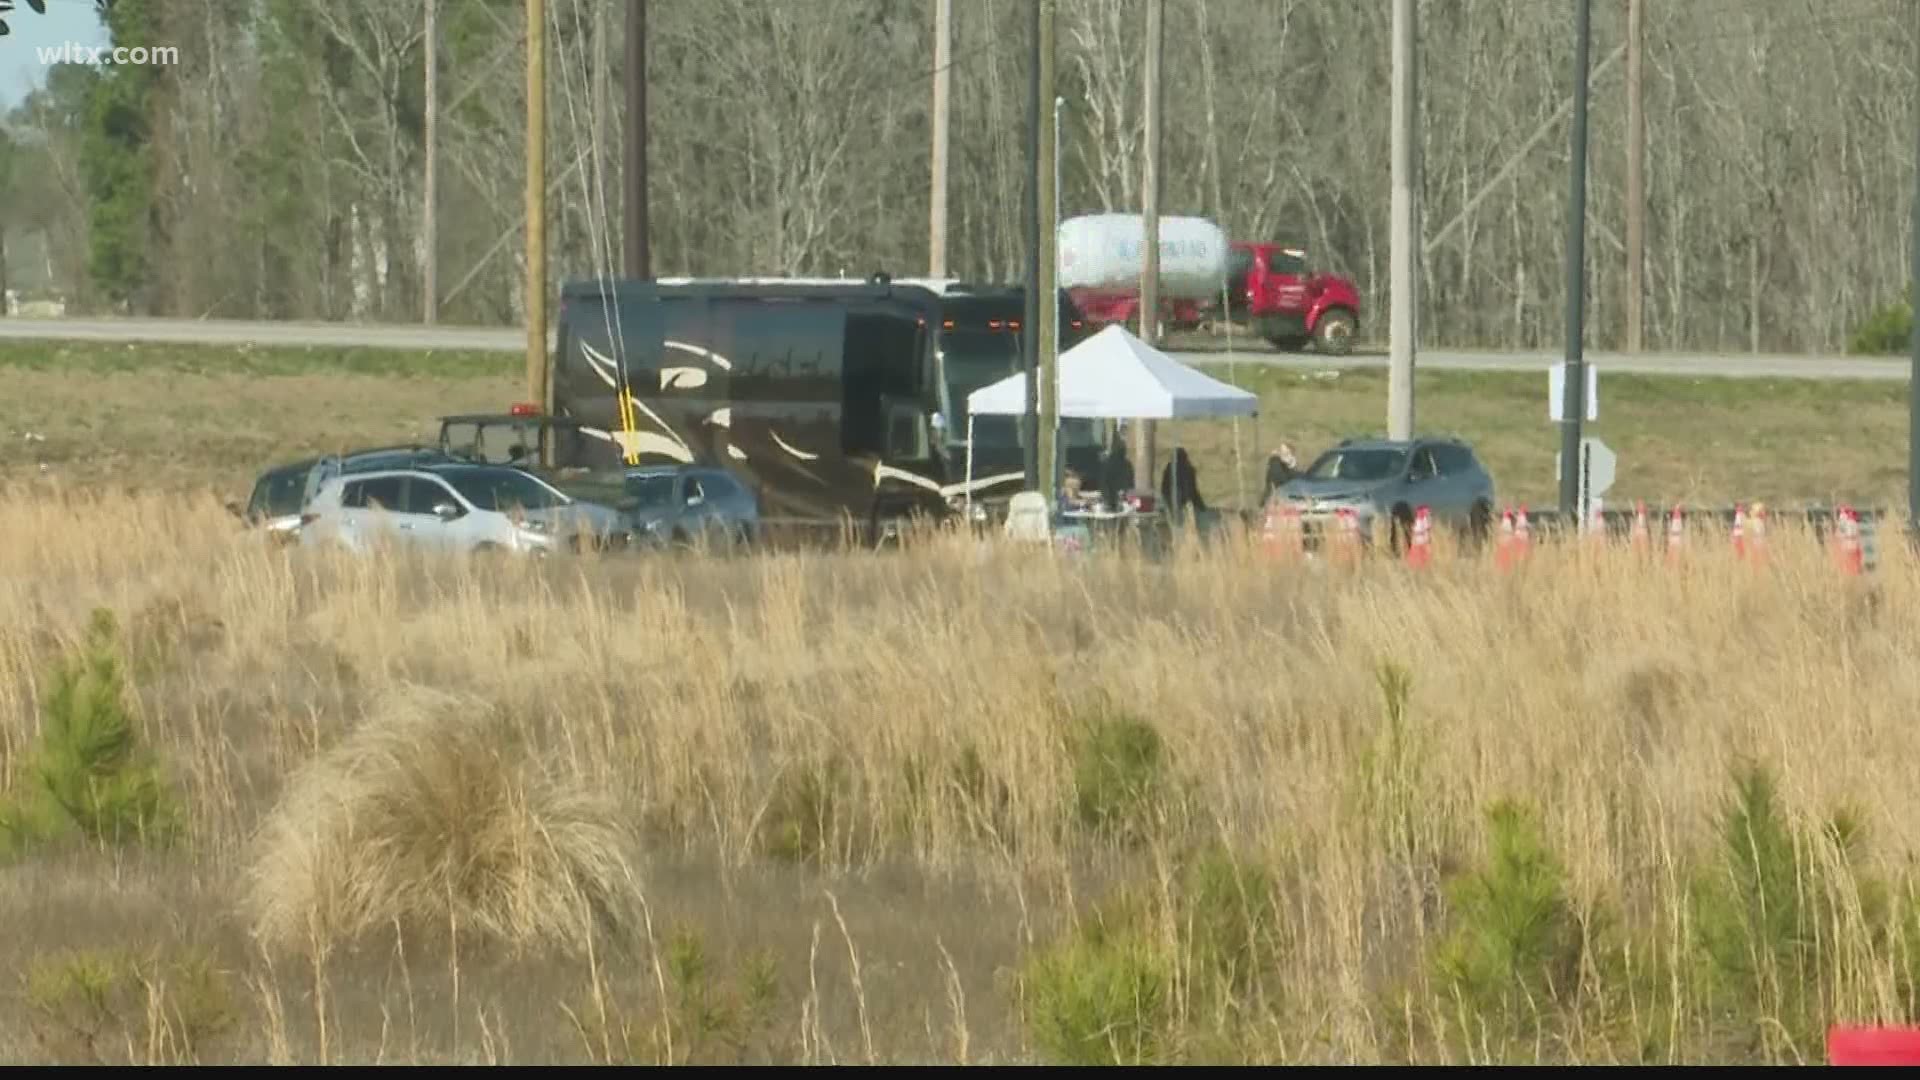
[495,443]
[504,489]
[1377,464]
[281,493]
[650,492]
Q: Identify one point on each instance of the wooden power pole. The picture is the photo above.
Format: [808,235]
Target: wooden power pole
[429,188]
[639,254]
[942,82]
[537,204]
[1636,181]
[1403,228]
[1143,434]
[1048,328]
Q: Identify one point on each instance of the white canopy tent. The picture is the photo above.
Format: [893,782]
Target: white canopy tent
[1114,375]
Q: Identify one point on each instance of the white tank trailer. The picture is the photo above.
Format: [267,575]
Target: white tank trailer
[1106,253]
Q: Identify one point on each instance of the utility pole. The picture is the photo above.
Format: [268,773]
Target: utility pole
[1029,327]
[1143,433]
[1913,379]
[1574,393]
[1402,254]
[639,256]
[429,190]
[942,81]
[537,205]
[1636,181]
[1048,328]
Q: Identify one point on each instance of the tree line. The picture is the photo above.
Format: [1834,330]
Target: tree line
[277,170]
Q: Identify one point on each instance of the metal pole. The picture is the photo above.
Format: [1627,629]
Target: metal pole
[1401,253]
[1636,181]
[1052,321]
[1047,328]
[1574,396]
[639,254]
[536,204]
[1029,327]
[942,60]
[429,184]
[1143,433]
[1913,382]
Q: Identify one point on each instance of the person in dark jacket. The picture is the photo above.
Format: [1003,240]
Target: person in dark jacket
[1180,485]
[1116,472]
[1282,469]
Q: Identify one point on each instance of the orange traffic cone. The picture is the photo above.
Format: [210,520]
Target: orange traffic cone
[1522,535]
[1503,549]
[1642,536]
[1757,535]
[1848,553]
[1420,551]
[1739,531]
[1676,535]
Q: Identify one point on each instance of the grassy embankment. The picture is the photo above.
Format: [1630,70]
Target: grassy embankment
[943,805]
[177,417]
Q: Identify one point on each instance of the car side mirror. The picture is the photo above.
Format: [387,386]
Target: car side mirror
[445,511]
[696,500]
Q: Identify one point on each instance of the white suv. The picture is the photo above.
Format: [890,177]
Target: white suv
[461,508]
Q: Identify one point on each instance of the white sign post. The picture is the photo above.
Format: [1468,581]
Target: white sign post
[1557,392]
[1597,465]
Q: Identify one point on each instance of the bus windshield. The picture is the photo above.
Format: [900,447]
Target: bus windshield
[977,358]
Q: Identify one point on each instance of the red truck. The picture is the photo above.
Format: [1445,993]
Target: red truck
[1272,288]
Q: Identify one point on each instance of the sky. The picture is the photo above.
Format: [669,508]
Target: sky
[21,71]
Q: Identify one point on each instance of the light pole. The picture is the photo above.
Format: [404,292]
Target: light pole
[1059,469]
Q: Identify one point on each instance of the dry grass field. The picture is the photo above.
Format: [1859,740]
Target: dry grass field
[946,804]
[178,418]
[952,803]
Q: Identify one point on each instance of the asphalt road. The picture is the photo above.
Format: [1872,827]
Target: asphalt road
[493,339]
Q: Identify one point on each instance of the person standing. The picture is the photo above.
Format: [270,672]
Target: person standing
[1282,469]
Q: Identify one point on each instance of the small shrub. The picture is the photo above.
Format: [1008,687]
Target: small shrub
[806,816]
[981,802]
[1228,917]
[97,1006]
[705,1020]
[1514,943]
[1888,331]
[1103,995]
[1119,776]
[1767,915]
[1390,775]
[88,775]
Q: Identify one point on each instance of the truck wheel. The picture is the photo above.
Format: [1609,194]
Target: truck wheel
[1334,335]
[1288,344]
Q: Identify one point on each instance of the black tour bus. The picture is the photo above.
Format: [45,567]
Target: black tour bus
[838,402]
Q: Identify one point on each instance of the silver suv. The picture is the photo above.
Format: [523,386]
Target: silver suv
[1387,478]
[457,508]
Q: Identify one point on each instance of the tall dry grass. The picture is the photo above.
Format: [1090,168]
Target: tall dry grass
[973,750]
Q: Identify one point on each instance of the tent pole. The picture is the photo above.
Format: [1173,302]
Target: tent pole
[969,476]
[1233,376]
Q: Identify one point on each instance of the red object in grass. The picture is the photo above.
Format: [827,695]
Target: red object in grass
[1873,1046]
